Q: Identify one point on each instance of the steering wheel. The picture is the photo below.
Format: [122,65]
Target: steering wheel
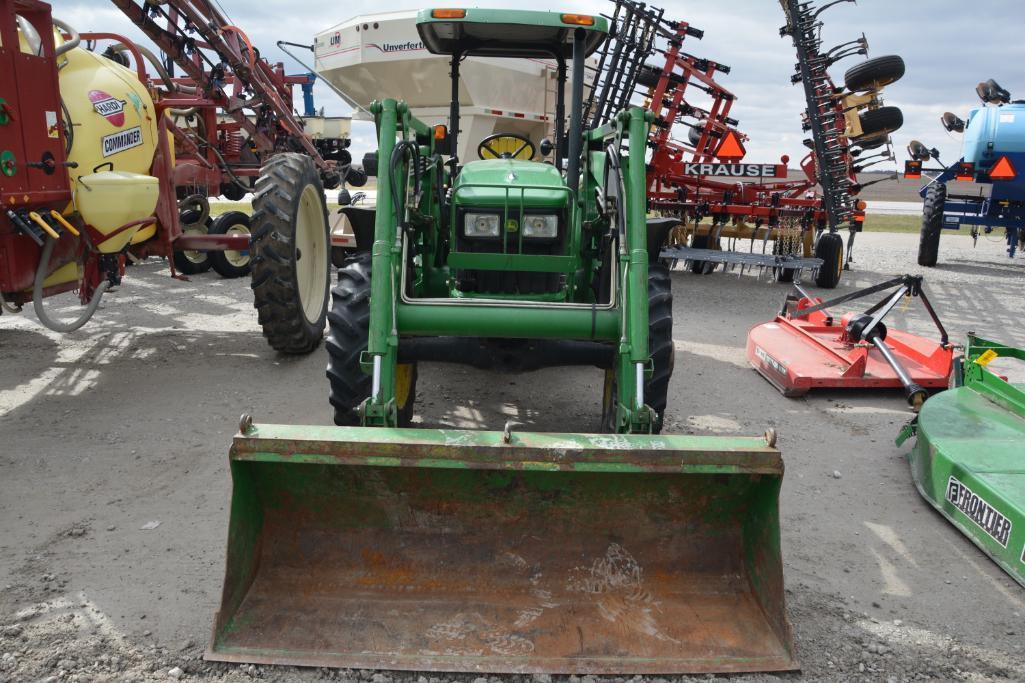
[506,146]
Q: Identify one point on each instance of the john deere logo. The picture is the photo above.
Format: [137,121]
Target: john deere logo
[512,225]
[108,107]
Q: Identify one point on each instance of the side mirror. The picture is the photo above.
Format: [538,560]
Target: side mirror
[546,147]
[952,123]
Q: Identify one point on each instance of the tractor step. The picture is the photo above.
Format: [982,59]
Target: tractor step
[967,462]
[806,347]
[450,550]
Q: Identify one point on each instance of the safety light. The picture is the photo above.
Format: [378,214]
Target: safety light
[861,205]
[578,19]
[440,132]
[1003,169]
[912,170]
[448,13]
[965,171]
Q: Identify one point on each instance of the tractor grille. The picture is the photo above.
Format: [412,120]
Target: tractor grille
[503,282]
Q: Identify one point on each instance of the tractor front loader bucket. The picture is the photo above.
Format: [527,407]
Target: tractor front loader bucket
[451,550]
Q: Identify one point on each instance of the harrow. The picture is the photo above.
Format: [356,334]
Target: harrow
[721,202]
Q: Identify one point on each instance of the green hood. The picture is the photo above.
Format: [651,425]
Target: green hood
[499,174]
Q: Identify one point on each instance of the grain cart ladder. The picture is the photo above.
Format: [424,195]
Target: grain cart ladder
[374,545]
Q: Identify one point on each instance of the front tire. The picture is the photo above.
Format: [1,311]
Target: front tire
[290,253]
[932,225]
[347,339]
[829,248]
[660,347]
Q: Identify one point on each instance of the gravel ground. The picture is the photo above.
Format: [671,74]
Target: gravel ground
[127,423]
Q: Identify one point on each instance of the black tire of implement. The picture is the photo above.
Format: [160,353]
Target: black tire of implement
[932,225]
[218,259]
[874,73]
[660,347]
[785,275]
[340,255]
[348,324]
[880,122]
[829,248]
[182,263]
[273,258]
[701,267]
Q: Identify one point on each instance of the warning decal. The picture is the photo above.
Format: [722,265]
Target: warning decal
[119,142]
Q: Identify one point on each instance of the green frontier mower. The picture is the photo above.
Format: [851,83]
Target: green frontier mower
[969,459]
[375,545]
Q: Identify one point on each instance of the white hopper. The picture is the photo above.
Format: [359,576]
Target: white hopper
[380,55]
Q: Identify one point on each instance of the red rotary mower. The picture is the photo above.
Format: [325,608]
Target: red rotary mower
[807,347]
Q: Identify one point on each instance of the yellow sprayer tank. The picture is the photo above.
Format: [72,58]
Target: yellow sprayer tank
[114,125]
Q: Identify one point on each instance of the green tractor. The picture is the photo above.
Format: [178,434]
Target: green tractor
[370,544]
[505,261]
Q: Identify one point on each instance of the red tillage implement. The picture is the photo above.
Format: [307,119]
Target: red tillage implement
[807,347]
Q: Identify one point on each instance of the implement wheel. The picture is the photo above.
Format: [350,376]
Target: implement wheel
[227,263]
[878,123]
[932,225]
[829,248]
[703,242]
[782,274]
[193,262]
[874,73]
[289,253]
[661,348]
[348,335]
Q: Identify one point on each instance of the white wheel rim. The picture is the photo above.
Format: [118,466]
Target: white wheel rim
[191,255]
[311,256]
[239,259]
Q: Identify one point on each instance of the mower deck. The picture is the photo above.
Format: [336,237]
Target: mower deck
[799,354]
[968,463]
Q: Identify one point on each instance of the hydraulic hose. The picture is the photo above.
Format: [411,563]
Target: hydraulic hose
[37,296]
[69,45]
[161,71]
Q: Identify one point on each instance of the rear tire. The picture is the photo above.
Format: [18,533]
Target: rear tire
[193,262]
[829,248]
[932,225]
[660,347]
[290,253]
[874,73]
[347,339]
[229,263]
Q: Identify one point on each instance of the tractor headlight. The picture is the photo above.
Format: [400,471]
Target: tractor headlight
[481,225]
[541,225]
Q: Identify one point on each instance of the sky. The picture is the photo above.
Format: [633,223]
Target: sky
[948,46]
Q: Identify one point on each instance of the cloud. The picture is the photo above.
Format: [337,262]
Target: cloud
[937,39]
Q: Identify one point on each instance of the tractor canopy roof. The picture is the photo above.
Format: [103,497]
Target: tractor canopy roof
[507,33]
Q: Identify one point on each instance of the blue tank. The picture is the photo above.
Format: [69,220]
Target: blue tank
[993,132]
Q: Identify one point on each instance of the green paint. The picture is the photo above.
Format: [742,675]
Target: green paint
[967,461]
